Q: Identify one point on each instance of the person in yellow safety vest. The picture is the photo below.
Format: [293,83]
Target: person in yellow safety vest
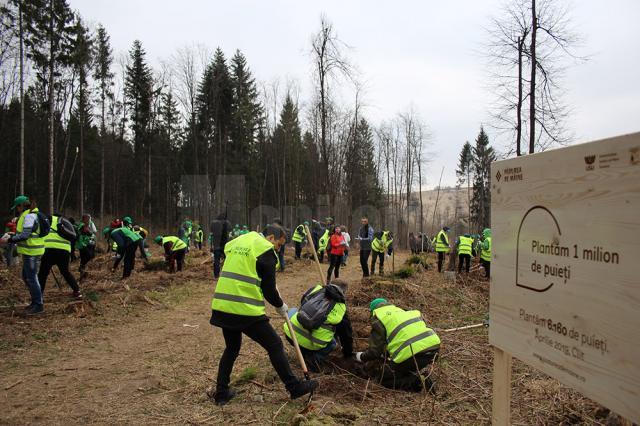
[400,347]
[30,244]
[142,243]
[199,237]
[465,247]
[57,252]
[382,241]
[299,237]
[174,251]
[485,253]
[441,242]
[323,243]
[248,278]
[325,304]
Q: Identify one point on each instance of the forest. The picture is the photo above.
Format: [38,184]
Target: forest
[87,129]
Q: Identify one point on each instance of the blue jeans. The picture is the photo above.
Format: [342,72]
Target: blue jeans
[30,266]
[318,355]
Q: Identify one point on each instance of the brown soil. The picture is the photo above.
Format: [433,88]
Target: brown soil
[142,351]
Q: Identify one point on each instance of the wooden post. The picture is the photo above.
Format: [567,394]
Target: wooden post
[501,408]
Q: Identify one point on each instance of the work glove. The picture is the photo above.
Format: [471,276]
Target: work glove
[283,310]
[358,356]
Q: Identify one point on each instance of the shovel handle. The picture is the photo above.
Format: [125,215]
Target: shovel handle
[297,347]
[315,253]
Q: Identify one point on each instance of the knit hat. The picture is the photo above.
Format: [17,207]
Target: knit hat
[158,239]
[127,220]
[375,302]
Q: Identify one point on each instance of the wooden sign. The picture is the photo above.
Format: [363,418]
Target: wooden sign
[565,286]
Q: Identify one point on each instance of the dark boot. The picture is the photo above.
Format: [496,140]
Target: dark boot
[302,388]
[222,397]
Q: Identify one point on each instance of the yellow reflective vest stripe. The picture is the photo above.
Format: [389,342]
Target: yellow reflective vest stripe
[465,245]
[53,240]
[178,244]
[238,289]
[486,253]
[34,245]
[407,333]
[318,338]
[441,246]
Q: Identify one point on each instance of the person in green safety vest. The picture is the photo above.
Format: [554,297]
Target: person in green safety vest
[441,242]
[485,253]
[299,238]
[174,251]
[57,252]
[185,231]
[248,278]
[400,347]
[86,242]
[382,241]
[199,236]
[328,304]
[464,244]
[127,242]
[30,244]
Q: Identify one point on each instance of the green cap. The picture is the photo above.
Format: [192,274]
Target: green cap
[158,239]
[306,223]
[375,302]
[127,220]
[20,199]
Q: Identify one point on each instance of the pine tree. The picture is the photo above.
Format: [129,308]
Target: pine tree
[465,166]
[104,77]
[287,149]
[81,60]
[483,156]
[138,92]
[362,183]
[48,41]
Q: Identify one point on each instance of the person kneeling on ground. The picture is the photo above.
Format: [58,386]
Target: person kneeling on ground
[174,251]
[400,346]
[322,316]
[248,277]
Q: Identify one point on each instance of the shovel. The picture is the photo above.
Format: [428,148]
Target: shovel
[299,354]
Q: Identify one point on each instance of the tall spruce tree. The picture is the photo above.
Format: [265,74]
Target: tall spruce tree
[287,149]
[361,172]
[104,76]
[48,41]
[483,156]
[138,92]
[81,60]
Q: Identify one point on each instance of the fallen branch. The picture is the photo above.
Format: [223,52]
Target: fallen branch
[13,385]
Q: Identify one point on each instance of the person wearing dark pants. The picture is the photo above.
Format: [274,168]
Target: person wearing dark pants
[127,242]
[365,237]
[299,237]
[382,241]
[248,278]
[441,243]
[318,341]
[219,236]
[400,347]
[60,258]
[174,251]
[465,247]
[337,245]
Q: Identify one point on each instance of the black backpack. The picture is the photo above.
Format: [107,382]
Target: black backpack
[66,229]
[44,226]
[316,307]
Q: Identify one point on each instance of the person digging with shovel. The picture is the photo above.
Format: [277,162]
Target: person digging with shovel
[248,277]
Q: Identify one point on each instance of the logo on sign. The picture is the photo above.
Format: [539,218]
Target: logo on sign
[589,160]
[634,157]
[498,175]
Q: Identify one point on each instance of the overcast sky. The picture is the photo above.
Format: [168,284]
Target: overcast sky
[421,53]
